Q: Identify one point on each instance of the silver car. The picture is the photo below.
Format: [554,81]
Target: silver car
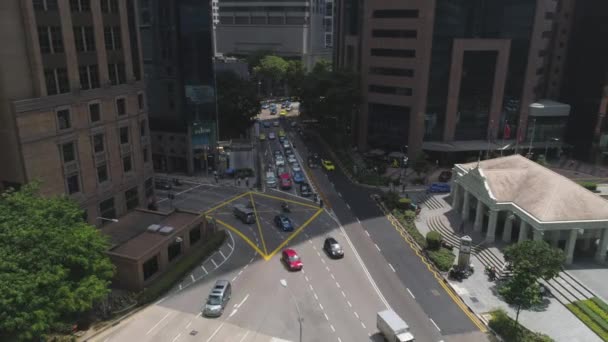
[296,167]
[218,298]
[292,159]
[279,161]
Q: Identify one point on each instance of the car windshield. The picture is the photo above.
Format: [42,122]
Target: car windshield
[214,300]
[294,258]
[335,246]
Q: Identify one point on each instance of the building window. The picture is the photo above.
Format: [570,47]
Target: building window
[109,6]
[174,250]
[50,39]
[94,112]
[112,38]
[396,13]
[45,5]
[121,106]
[80,5]
[126,164]
[142,128]
[149,185]
[401,91]
[73,182]
[84,37]
[391,71]
[63,119]
[68,152]
[107,210]
[140,101]
[117,73]
[124,135]
[132,198]
[102,173]
[56,81]
[98,146]
[89,78]
[195,234]
[393,53]
[145,153]
[394,33]
[150,267]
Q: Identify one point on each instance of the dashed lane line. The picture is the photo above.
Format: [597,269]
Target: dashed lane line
[392,268]
[213,262]
[215,332]
[176,337]
[157,323]
[410,292]
[435,324]
[222,254]
[378,248]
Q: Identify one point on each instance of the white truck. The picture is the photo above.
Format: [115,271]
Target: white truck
[393,328]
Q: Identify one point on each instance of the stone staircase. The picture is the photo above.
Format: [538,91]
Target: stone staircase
[564,288]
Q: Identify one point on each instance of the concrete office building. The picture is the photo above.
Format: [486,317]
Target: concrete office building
[447,76]
[72,103]
[291,29]
[515,199]
[178,65]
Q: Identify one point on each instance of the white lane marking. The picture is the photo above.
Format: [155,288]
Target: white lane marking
[327,318]
[204,269]
[392,268]
[176,337]
[240,272]
[230,246]
[358,221]
[366,232]
[311,289]
[157,323]
[192,277]
[234,279]
[410,292]
[214,264]
[339,339]
[348,206]
[313,247]
[332,276]
[338,284]
[317,298]
[232,313]
[435,324]
[356,314]
[180,287]
[332,328]
[343,294]
[244,268]
[215,332]
[183,192]
[303,271]
[222,254]
[349,304]
[327,268]
[339,194]
[322,260]
[306,277]
[159,301]
[378,248]
[243,301]
[363,325]
[251,260]
[321,306]
[319,254]
[244,336]
[188,325]
[310,242]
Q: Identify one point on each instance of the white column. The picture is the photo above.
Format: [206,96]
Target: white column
[600,254]
[456,197]
[555,235]
[538,235]
[570,246]
[465,205]
[523,231]
[491,234]
[478,216]
[508,229]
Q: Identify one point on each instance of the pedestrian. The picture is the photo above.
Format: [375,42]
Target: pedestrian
[234,181]
[247,182]
[238,182]
[315,198]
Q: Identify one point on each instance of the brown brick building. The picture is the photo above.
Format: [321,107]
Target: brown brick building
[72,103]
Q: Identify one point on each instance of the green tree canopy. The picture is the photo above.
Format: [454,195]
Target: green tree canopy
[421,163]
[53,263]
[536,258]
[272,68]
[238,104]
[294,76]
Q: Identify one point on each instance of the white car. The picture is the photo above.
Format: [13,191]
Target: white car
[279,161]
[271,180]
[296,167]
[286,144]
[272,136]
[292,159]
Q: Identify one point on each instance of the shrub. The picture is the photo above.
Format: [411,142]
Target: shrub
[597,309]
[443,258]
[433,240]
[390,199]
[504,326]
[404,203]
[600,303]
[409,216]
[591,314]
[603,334]
[589,185]
[180,268]
[408,223]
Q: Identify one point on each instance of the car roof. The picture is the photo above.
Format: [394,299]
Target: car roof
[331,240]
[284,175]
[290,252]
[221,283]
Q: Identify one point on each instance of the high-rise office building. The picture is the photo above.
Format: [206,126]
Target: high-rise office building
[291,29]
[450,75]
[72,103]
[177,44]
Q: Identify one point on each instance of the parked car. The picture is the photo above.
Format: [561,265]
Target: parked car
[438,188]
[328,165]
[282,133]
[445,176]
[271,180]
[288,150]
[273,111]
[284,223]
[218,298]
[298,177]
[283,112]
[291,259]
[285,181]
[305,190]
[265,106]
[333,248]
[271,136]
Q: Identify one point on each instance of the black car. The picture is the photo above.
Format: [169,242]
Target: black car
[284,223]
[162,184]
[305,190]
[312,163]
[333,248]
[445,176]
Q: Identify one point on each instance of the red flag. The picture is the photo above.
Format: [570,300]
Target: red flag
[507,132]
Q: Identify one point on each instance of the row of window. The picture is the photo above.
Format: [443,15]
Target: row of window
[57,79]
[400,91]
[51,41]
[396,13]
[107,6]
[384,71]
[394,33]
[407,53]
[64,116]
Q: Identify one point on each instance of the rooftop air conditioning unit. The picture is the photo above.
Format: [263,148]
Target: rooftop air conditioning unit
[166,230]
[153,228]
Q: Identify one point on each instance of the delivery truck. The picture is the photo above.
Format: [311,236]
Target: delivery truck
[393,328]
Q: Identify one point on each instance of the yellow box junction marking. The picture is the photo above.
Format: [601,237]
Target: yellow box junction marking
[238,232]
[226,202]
[293,235]
[257,222]
[286,200]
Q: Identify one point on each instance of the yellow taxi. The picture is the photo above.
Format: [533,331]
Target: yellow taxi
[327,165]
[262,136]
[283,112]
[281,133]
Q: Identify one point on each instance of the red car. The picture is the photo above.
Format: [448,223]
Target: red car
[285,181]
[291,259]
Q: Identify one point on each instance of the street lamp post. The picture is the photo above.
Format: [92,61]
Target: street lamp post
[300,319]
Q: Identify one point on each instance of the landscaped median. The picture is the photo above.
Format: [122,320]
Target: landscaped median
[506,328]
[180,268]
[594,313]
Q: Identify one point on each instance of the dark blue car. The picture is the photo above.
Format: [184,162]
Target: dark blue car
[438,188]
[298,177]
[284,223]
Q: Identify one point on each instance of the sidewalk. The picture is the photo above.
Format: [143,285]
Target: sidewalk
[479,293]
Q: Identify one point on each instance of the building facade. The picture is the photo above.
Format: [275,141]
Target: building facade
[72,103]
[177,44]
[290,29]
[446,75]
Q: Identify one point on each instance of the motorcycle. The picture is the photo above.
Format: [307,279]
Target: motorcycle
[285,207]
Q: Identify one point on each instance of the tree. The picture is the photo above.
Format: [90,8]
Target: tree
[238,104]
[529,260]
[294,76]
[272,70]
[421,164]
[53,265]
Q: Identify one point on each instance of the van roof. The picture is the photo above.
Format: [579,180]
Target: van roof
[221,283]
